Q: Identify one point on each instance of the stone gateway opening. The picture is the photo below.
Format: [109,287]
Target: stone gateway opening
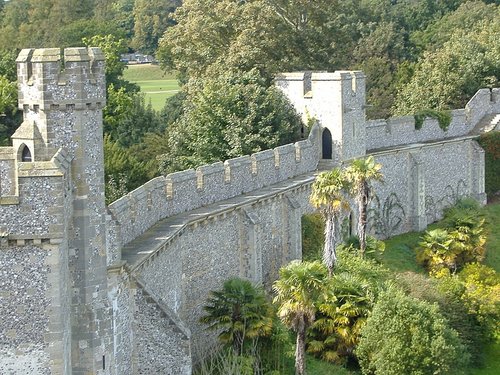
[25,154]
[326,144]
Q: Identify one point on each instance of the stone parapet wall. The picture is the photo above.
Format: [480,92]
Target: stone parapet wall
[183,191]
[399,131]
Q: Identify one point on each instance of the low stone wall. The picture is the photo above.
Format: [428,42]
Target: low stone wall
[400,131]
[187,190]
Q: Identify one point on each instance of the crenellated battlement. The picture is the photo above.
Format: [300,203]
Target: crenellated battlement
[190,189]
[398,131]
[52,79]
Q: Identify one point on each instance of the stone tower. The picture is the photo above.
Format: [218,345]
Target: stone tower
[62,99]
[337,102]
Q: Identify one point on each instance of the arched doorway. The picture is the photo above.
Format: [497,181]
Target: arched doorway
[327,144]
[25,154]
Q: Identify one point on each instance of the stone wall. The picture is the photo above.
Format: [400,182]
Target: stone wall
[400,131]
[161,345]
[252,241]
[420,181]
[187,190]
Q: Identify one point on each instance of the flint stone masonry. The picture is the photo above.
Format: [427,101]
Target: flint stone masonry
[187,190]
[120,289]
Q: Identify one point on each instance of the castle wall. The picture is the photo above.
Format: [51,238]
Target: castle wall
[187,190]
[24,309]
[35,298]
[400,131]
[420,181]
[121,296]
[252,241]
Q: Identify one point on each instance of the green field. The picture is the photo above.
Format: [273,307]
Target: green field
[154,83]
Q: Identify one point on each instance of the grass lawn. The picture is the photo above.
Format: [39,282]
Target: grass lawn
[491,361]
[156,85]
[493,243]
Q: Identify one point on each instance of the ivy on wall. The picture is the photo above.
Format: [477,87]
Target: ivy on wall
[443,118]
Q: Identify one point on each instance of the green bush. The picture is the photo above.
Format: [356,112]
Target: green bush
[482,296]
[353,288]
[447,293]
[406,336]
[240,313]
[443,118]
[491,144]
[313,226]
[373,246]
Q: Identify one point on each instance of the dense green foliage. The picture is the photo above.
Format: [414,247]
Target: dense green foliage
[240,312]
[226,116]
[459,240]
[404,335]
[491,144]
[468,300]
[443,117]
[352,291]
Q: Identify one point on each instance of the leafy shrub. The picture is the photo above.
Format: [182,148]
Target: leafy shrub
[353,289]
[240,312]
[491,144]
[225,362]
[373,246]
[313,227]
[482,295]
[406,336]
[447,293]
[443,117]
[459,240]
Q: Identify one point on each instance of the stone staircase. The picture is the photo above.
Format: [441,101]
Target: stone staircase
[162,342]
[326,165]
[488,123]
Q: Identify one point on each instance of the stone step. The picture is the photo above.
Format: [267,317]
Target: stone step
[326,165]
[488,123]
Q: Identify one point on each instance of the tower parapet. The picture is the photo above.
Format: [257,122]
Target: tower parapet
[337,102]
[52,87]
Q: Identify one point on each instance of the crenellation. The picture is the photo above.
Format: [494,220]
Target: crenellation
[239,175]
[286,155]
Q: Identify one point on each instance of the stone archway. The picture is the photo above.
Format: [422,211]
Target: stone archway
[326,144]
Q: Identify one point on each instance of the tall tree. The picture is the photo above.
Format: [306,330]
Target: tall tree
[448,77]
[298,291]
[328,194]
[151,19]
[228,115]
[271,36]
[361,174]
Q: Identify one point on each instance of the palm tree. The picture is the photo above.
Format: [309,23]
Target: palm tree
[328,195]
[298,290]
[361,173]
[437,251]
[342,315]
[241,311]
